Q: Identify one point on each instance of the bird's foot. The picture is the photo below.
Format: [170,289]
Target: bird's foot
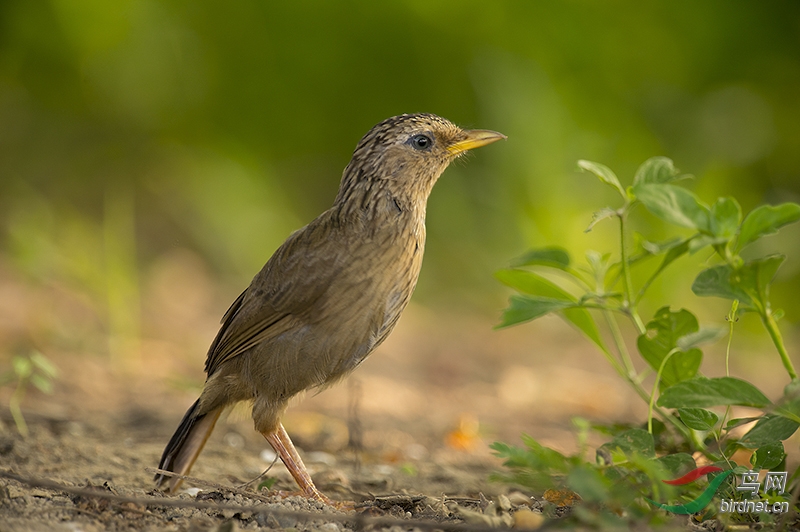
[282,444]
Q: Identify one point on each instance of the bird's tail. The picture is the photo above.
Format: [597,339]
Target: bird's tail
[185,445]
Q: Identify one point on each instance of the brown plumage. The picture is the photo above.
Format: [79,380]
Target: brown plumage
[331,293]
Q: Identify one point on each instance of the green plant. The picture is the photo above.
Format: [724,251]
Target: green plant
[680,420]
[34,369]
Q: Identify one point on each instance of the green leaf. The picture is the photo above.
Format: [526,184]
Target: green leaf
[677,464]
[675,205]
[630,442]
[554,257]
[43,384]
[532,284]
[739,421]
[527,308]
[536,285]
[267,483]
[768,456]
[769,429]
[43,364]
[705,335]
[605,175]
[698,418]
[701,392]
[765,220]
[654,248]
[22,367]
[583,320]
[545,456]
[682,365]
[535,466]
[701,241]
[656,170]
[726,214]
[756,276]
[589,484]
[762,271]
[749,284]
[754,279]
[598,264]
[602,214]
[675,251]
[716,282]
[661,339]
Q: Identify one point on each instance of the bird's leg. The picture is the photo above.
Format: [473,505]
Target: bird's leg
[283,445]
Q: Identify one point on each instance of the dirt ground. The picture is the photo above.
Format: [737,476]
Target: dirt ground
[406,438]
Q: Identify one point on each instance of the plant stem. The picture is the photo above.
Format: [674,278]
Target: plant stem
[731,320]
[628,372]
[627,300]
[777,339]
[16,411]
[622,349]
[652,401]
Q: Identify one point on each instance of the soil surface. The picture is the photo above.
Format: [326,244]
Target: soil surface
[405,440]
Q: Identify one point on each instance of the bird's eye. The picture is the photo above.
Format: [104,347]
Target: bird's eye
[421,142]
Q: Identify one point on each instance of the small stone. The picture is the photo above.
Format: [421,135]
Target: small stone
[503,502]
[483,502]
[268,456]
[518,498]
[286,521]
[15,493]
[319,457]
[527,520]
[330,527]
[228,526]
[234,439]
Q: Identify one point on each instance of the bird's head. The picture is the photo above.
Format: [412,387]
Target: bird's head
[409,152]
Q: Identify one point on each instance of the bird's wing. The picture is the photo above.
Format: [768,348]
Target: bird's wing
[296,276]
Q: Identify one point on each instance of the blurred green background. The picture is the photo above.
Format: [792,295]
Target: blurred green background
[133,130]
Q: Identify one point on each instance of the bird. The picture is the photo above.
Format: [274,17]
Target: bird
[329,295]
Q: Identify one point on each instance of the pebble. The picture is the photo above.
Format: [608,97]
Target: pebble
[383,469]
[503,502]
[528,520]
[319,457]
[519,499]
[234,439]
[268,456]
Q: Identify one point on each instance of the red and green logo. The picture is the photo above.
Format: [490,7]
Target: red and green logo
[704,498]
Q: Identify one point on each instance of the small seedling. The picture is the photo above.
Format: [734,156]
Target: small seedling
[33,369]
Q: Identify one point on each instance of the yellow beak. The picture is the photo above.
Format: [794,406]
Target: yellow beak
[475,138]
